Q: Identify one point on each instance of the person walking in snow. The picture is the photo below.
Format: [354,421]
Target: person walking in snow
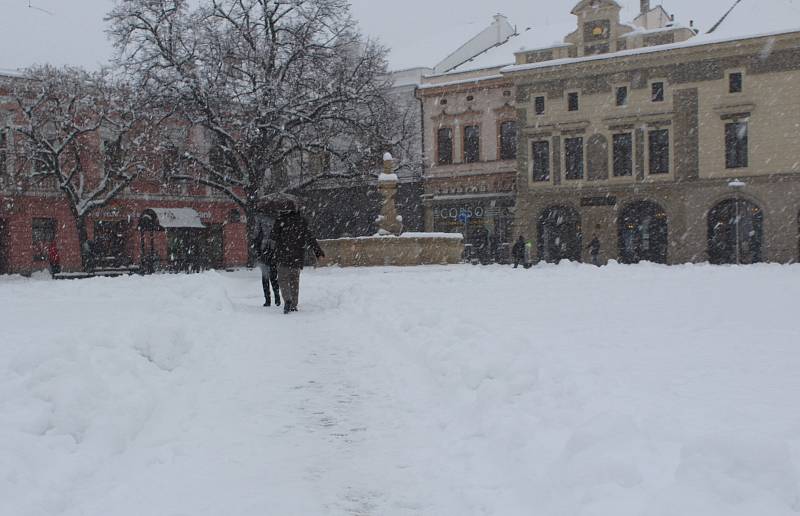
[518,252]
[54,259]
[594,247]
[265,246]
[292,237]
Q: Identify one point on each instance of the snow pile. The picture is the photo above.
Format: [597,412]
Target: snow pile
[559,390]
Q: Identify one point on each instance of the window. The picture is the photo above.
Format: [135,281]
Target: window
[573,158]
[540,154]
[320,162]
[735,82]
[112,155]
[623,155]
[470,98]
[573,101]
[220,156]
[736,145]
[443,102]
[538,105]
[508,140]
[444,140]
[472,144]
[43,231]
[657,92]
[659,151]
[622,96]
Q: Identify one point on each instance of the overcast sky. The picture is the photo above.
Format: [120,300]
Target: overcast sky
[420,32]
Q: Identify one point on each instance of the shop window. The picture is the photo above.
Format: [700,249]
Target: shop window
[472,144]
[573,101]
[573,158]
[657,92]
[444,140]
[658,149]
[622,96]
[508,140]
[736,155]
[43,231]
[538,105]
[540,155]
[623,154]
[735,82]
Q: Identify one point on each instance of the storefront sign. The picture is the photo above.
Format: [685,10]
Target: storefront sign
[607,200]
[454,213]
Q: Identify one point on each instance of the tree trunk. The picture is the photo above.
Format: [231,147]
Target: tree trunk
[251,212]
[83,243]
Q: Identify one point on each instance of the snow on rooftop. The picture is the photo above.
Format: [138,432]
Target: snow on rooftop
[553,22]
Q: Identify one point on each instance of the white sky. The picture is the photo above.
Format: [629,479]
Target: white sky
[420,32]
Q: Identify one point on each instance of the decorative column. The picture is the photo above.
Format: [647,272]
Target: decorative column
[389,222]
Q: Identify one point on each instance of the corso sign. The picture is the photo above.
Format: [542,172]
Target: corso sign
[453,213]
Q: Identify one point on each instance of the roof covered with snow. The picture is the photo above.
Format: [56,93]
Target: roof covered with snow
[552,22]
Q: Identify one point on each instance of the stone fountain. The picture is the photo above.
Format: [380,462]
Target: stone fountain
[391,246]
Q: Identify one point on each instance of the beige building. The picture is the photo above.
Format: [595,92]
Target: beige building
[638,136]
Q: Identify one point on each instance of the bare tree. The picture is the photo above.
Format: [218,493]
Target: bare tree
[267,80]
[85,134]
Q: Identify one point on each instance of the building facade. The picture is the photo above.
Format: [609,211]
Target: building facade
[679,150]
[153,224]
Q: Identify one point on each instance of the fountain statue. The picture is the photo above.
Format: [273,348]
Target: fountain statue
[392,246]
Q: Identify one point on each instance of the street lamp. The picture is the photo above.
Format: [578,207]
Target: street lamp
[737,185]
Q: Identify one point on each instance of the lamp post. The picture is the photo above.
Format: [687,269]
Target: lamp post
[737,185]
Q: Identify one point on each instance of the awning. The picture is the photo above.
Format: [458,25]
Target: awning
[172,218]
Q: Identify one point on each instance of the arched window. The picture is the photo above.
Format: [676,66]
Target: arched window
[643,233]
[559,234]
[735,232]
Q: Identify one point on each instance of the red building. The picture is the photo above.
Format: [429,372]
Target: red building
[152,224]
[192,232]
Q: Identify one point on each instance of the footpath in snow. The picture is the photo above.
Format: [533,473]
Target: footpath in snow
[442,391]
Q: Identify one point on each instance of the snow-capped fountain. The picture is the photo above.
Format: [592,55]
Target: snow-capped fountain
[391,246]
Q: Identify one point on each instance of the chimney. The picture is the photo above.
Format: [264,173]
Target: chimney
[645,6]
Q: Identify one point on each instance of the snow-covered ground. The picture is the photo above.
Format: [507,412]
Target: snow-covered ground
[442,391]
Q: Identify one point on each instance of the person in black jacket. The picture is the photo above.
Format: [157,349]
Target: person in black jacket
[594,250]
[518,252]
[292,237]
[266,260]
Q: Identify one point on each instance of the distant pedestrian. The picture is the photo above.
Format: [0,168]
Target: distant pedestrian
[265,246]
[594,250]
[54,259]
[518,252]
[292,237]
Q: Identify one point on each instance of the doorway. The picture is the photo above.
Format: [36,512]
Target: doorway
[559,235]
[643,233]
[735,232]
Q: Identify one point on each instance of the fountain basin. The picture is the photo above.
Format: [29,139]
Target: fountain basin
[408,249]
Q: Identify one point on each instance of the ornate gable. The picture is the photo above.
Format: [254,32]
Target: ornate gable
[594,4]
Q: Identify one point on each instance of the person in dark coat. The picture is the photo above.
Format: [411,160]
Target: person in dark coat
[518,252]
[54,258]
[292,237]
[594,250]
[266,260]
